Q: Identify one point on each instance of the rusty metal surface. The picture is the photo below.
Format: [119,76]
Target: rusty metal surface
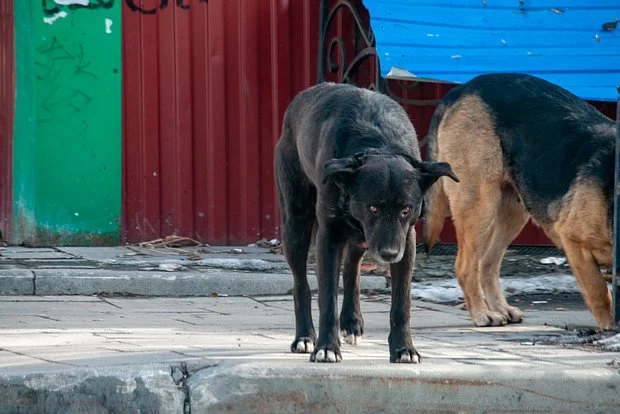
[205,88]
[7,105]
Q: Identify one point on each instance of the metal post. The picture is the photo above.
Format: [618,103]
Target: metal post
[616,246]
[322,30]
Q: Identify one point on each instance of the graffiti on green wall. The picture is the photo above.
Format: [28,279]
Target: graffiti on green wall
[67,146]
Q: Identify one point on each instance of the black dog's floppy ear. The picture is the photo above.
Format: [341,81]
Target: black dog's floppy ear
[342,169]
[431,171]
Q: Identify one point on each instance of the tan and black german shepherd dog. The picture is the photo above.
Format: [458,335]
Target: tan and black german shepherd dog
[522,148]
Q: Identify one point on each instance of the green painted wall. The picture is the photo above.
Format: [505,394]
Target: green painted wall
[67,139]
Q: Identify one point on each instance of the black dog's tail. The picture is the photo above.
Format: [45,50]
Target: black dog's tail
[436,207]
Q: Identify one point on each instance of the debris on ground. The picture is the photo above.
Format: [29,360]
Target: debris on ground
[274,245]
[170,241]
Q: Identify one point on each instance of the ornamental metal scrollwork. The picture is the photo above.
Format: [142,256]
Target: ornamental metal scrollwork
[364,46]
[334,57]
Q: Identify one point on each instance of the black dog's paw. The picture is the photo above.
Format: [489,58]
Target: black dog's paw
[303,345]
[406,355]
[352,329]
[326,354]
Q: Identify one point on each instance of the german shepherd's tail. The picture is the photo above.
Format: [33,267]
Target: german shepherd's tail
[436,207]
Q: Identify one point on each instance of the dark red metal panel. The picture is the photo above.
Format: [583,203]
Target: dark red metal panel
[7,107]
[205,89]
[206,85]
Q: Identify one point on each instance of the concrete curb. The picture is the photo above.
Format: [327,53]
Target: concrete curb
[16,282]
[281,388]
[117,389]
[152,283]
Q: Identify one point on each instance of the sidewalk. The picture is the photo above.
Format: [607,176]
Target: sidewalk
[75,354]
[207,329]
[201,271]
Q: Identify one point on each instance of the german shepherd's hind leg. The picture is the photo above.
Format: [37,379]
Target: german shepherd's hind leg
[593,287]
[351,320]
[297,201]
[474,216]
[510,218]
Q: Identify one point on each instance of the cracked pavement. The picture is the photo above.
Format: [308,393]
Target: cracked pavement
[231,354]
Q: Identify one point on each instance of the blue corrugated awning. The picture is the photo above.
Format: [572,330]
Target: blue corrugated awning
[456,40]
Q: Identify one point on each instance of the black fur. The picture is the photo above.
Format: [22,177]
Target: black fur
[344,149]
[548,136]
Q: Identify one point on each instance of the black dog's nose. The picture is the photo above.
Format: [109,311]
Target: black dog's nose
[388,254]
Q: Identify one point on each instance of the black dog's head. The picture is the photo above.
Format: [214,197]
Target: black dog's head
[384,194]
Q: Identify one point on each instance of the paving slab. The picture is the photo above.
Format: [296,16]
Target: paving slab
[231,354]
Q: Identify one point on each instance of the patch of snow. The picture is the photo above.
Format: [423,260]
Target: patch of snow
[450,291]
[170,267]
[553,260]
[610,344]
[241,264]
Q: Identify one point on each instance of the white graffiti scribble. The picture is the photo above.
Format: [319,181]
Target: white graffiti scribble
[68,2]
[51,20]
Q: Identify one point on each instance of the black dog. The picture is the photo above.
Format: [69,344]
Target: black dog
[348,165]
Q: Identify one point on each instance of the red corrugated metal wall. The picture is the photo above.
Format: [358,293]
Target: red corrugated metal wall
[7,107]
[205,88]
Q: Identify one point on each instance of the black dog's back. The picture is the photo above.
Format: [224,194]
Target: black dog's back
[346,119]
[548,136]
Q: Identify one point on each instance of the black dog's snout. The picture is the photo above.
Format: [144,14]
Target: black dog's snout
[388,254]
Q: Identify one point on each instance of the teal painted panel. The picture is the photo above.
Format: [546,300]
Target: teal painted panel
[67,147]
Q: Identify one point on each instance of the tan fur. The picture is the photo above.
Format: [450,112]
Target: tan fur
[488,214]
[583,231]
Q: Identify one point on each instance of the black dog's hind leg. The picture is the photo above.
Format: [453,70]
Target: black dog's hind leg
[351,321]
[401,346]
[329,246]
[297,212]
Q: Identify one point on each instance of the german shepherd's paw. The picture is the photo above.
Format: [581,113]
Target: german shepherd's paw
[489,318]
[407,355]
[326,354]
[512,314]
[303,345]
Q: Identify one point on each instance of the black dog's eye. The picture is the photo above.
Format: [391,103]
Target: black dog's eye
[405,211]
[373,209]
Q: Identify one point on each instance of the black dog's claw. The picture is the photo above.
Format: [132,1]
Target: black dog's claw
[326,355]
[303,345]
[405,356]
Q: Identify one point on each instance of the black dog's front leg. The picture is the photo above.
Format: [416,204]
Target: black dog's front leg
[401,346]
[329,247]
